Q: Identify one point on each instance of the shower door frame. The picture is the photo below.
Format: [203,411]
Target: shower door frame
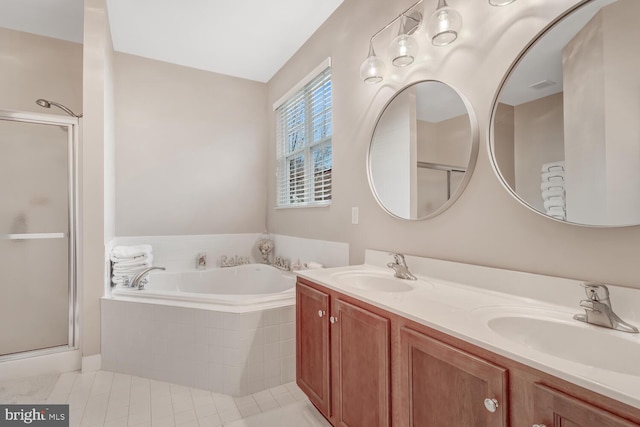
[72,124]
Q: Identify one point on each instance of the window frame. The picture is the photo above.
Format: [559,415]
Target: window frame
[315,192]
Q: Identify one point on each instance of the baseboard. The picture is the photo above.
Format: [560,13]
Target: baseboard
[91,363]
[57,363]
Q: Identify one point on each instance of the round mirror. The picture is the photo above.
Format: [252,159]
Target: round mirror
[565,134]
[422,151]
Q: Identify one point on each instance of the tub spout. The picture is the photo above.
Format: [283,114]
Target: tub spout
[139,280]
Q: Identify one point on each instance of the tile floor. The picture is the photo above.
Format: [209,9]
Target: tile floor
[108,399]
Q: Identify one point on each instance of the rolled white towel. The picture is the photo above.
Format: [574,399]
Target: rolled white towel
[553,166]
[552,186]
[553,192]
[123,252]
[556,176]
[554,202]
[135,262]
[130,268]
[125,273]
[556,210]
[558,216]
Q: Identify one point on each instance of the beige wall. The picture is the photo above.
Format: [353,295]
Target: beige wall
[33,67]
[447,142]
[603,150]
[190,150]
[539,138]
[485,226]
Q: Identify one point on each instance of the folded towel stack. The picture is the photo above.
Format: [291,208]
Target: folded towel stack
[553,192]
[127,261]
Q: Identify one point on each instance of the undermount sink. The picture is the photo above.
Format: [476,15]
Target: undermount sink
[373,281]
[571,340]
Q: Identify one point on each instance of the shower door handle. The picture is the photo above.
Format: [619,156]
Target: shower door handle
[32,236]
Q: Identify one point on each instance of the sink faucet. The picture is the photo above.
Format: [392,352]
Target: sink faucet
[400,267]
[598,309]
[139,280]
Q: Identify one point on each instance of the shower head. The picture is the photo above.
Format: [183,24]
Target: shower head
[47,104]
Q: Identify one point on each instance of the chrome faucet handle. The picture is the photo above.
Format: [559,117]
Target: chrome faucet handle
[399,259]
[598,309]
[596,291]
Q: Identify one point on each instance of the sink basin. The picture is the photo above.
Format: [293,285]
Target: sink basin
[568,339]
[373,281]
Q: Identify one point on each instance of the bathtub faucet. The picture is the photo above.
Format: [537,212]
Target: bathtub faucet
[139,280]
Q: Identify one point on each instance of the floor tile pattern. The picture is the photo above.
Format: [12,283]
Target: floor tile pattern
[107,399]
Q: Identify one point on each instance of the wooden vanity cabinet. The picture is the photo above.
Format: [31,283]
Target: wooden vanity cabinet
[362,366]
[313,371]
[445,386]
[343,358]
[554,408]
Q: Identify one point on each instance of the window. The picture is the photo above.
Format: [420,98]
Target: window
[303,125]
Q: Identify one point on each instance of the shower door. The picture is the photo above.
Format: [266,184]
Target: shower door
[37,250]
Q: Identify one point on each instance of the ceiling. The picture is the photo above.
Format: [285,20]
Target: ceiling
[249,39]
[543,62]
[60,19]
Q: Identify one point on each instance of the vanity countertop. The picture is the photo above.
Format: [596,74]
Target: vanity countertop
[490,318]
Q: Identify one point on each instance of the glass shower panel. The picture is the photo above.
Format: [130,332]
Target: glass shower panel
[34,236]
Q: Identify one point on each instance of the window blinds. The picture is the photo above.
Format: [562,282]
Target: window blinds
[303,132]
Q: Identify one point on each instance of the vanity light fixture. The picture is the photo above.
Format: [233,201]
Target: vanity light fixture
[444,25]
[403,48]
[443,28]
[372,69]
[500,2]
[402,51]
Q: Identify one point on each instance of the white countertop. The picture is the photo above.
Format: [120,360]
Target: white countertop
[463,310]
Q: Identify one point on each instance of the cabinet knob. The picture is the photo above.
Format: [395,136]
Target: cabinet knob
[333,319]
[321,313]
[491,405]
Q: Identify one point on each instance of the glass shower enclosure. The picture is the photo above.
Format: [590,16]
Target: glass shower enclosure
[38,302]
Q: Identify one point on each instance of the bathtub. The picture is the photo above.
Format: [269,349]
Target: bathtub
[229,330]
[248,286]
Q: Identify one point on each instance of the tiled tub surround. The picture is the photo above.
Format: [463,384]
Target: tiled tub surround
[178,253]
[215,343]
[231,353]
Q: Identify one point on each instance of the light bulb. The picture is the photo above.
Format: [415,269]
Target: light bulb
[444,25]
[372,69]
[403,50]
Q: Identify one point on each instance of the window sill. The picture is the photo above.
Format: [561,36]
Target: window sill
[303,206]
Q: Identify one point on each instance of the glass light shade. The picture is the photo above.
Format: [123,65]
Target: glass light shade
[500,2]
[444,25]
[372,69]
[403,50]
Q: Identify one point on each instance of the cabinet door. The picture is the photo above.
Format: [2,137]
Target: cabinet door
[445,386]
[555,409]
[312,346]
[361,369]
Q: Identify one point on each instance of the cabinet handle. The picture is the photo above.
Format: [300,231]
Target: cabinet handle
[321,313]
[538,425]
[491,405]
[333,319]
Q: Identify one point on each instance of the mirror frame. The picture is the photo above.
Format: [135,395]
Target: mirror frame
[494,105]
[473,155]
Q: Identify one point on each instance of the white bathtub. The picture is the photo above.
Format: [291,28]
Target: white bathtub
[249,286]
[229,330]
